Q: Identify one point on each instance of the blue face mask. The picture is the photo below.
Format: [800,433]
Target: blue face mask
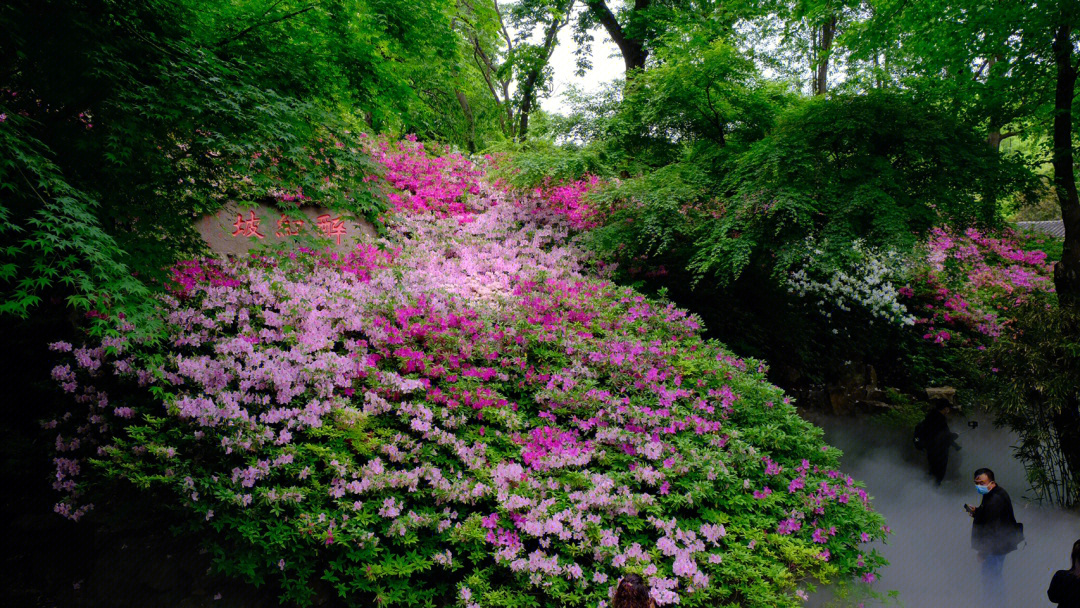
[981,489]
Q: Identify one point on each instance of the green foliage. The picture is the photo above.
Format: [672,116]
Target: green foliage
[1033,377]
[62,249]
[879,166]
[539,161]
[988,64]
[704,88]
[127,120]
[654,216]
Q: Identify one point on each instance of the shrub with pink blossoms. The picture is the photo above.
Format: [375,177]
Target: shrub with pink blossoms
[460,416]
[568,199]
[436,184]
[441,185]
[969,282]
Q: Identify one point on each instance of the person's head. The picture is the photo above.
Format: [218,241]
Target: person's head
[940,404]
[984,478]
[632,592]
[1076,558]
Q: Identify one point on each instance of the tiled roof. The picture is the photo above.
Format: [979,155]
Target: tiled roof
[1054,228]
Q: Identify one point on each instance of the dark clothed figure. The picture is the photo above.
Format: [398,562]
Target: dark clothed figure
[934,436]
[1065,586]
[994,531]
[1065,589]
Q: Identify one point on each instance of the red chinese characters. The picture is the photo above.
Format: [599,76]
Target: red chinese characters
[288,226]
[332,226]
[248,227]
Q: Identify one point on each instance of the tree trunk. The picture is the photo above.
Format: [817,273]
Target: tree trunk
[1067,270]
[995,138]
[1067,426]
[631,47]
[821,76]
[523,125]
[528,98]
[532,79]
[470,121]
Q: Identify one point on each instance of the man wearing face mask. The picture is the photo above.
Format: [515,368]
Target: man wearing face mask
[994,532]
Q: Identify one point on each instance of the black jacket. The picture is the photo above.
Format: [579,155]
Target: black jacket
[933,433]
[994,530]
[1064,589]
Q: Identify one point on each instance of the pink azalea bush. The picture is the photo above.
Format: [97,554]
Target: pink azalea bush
[969,282]
[568,199]
[460,414]
[423,183]
[441,185]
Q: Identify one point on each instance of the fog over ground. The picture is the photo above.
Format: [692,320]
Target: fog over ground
[931,560]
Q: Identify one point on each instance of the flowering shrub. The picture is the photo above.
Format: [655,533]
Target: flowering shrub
[568,199]
[440,185]
[970,282]
[460,416]
[868,284]
[422,183]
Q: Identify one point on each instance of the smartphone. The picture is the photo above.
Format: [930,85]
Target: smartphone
[968,508]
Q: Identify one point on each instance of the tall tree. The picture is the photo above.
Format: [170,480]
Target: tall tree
[823,36]
[531,60]
[999,66]
[515,69]
[1067,270]
[816,25]
[628,29]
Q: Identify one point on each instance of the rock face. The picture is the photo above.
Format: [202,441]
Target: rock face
[943,392]
[236,229]
[855,391]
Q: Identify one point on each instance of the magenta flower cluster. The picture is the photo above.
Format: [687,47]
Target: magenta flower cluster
[430,184]
[462,396]
[441,185]
[970,282]
[568,199]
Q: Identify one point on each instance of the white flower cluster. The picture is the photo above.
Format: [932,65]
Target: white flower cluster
[868,283]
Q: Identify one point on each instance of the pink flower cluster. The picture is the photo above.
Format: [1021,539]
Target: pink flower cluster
[971,281]
[549,448]
[442,184]
[436,184]
[568,199]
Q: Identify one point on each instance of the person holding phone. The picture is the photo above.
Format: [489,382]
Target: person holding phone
[994,533]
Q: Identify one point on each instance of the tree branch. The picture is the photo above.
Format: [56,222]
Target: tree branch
[502,28]
[485,70]
[252,28]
